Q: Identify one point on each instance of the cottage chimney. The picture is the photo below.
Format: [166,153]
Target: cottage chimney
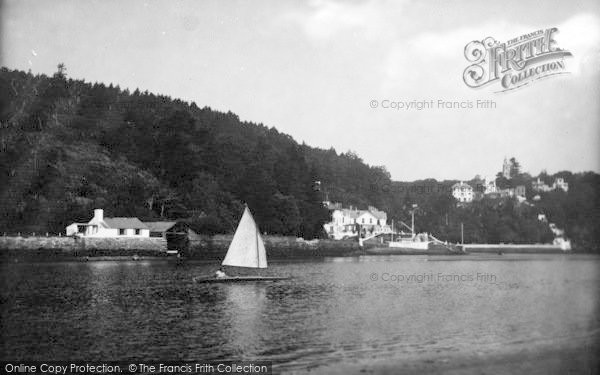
[99,214]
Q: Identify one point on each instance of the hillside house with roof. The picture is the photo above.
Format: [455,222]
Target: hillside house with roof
[100,226]
[462,192]
[346,222]
[490,186]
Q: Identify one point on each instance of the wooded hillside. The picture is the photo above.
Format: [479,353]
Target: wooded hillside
[69,146]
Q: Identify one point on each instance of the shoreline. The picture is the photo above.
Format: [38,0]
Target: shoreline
[6,258]
[514,248]
[214,248]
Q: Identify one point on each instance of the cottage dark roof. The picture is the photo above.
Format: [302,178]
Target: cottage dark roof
[160,226]
[461,185]
[379,214]
[124,223]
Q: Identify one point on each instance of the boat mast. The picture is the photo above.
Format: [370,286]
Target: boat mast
[412,229]
[256,234]
[257,249]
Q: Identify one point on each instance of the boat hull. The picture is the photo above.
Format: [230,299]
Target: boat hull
[432,249]
[237,279]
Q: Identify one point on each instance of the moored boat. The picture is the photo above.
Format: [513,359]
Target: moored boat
[419,244]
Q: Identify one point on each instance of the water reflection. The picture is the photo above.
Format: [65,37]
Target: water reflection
[243,310]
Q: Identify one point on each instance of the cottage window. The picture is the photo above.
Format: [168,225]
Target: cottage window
[121,232]
[137,232]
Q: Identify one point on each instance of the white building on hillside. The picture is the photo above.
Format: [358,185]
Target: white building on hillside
[346,222]
[559,183]
[101,226]
[490,186]
[539,185]
[462,192]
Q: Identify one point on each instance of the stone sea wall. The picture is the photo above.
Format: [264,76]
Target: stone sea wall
[516,248]
[66,247]
[278,247]
[203,247]
[200,247]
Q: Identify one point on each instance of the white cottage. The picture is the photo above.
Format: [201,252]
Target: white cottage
[346,222]
[462,192]
[101,226]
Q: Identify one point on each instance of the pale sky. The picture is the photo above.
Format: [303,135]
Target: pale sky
[311,69]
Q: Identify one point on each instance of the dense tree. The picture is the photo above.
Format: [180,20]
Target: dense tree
[502,182]
[144,155]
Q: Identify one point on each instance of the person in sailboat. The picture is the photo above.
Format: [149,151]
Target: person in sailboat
[220,274]
[246,250]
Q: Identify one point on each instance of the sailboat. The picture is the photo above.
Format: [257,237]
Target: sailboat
[246,250]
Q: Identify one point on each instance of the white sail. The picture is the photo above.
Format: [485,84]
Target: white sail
[247,248]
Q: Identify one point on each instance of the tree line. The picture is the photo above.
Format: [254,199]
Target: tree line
[69,146]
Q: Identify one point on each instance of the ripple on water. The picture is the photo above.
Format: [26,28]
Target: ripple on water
[327,311]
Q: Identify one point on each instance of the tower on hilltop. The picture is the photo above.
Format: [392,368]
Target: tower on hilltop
[506,168]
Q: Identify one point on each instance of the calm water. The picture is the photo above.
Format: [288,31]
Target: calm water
[329,311]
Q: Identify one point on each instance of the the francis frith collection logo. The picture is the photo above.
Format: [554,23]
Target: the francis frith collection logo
[515,63]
